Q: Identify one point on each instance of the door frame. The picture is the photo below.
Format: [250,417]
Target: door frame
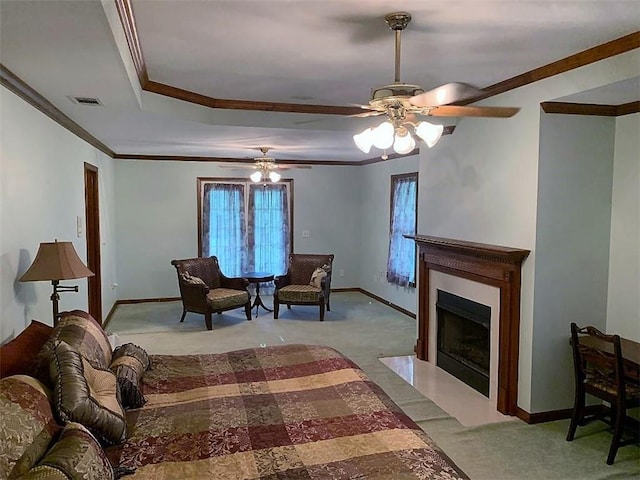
[92,235]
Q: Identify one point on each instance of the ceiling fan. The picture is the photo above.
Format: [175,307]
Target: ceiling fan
[266,167]
[402,103]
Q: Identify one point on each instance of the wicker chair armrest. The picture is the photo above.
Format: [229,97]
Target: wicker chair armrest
[234,283]
[325,284]
[282,281]
[194,294]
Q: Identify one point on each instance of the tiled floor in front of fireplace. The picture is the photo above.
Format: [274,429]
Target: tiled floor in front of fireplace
[462,402]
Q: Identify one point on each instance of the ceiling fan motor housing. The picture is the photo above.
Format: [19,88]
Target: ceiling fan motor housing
[395,91]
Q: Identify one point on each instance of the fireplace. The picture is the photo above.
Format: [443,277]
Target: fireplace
[493,265]
[463,344]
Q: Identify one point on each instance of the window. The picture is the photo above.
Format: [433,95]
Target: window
[401,264]
[247,226]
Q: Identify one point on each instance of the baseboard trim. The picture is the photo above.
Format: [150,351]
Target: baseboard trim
[110,314]
[386,302]
[552,415]
[148,300]
[175,299]
[135,300]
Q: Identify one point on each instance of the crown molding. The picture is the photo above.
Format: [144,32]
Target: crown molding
[567,108]
[591,55]
[586,57]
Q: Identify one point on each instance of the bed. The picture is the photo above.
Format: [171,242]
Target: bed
[283,412]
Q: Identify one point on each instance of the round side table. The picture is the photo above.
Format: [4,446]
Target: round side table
[257,278]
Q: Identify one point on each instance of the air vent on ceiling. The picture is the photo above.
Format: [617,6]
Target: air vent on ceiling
[86,101]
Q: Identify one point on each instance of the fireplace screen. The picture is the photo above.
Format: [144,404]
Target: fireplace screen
[464,339]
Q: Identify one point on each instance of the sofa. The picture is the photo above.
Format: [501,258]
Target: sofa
[74,407]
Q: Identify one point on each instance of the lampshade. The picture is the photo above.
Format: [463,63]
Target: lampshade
[56,261]
[429,132]
[256,176]
[383,135]
[404,142]
[364,140]
[274,176]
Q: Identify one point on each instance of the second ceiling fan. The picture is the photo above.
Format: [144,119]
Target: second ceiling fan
[403,103]
[266,169]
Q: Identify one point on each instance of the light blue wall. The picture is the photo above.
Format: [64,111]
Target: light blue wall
[41,196]
[157,220]
[623,305]
[575,177]
[375,217]
[345,210]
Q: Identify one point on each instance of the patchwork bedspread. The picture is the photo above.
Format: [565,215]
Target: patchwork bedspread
[284,412]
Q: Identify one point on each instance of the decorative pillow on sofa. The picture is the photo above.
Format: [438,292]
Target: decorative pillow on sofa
[86,395]
[129,362]
[27,424]
[77,455]
[79,330]
[17,356]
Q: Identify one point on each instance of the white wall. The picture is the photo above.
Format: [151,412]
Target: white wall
[623,308]
[375,217]
[480,184]
[156,212]
[575,178]
[42,193]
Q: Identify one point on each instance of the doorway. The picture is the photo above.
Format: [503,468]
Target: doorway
[92,232]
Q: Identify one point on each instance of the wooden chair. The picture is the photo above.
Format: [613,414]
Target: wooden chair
[599,371]
[294,288]
[205,289]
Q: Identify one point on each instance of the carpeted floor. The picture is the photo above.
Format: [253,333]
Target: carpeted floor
[364,330]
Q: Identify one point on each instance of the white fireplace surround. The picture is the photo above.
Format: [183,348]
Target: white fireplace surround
[480,293]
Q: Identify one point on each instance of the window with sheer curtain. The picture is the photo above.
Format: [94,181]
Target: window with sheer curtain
[247,226]
[401,263]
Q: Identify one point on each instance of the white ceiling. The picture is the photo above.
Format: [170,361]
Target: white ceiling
[323,52]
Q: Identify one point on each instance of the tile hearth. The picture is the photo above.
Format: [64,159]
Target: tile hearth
[462,402]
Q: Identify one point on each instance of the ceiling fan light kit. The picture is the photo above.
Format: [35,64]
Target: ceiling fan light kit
[401,101]
[258,175]
[265,169]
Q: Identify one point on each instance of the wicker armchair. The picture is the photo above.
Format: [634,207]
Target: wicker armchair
[205,289]
[294,288]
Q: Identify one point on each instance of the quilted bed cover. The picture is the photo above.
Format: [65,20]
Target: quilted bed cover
[283,412]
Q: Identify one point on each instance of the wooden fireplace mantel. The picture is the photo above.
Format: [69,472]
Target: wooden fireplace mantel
[489,264]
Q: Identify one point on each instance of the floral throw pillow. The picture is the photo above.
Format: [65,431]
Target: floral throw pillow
[27,424]
[76,455]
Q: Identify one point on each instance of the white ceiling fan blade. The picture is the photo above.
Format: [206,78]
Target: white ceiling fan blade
[445,94]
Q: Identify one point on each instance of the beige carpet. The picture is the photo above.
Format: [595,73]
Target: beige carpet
[365,330]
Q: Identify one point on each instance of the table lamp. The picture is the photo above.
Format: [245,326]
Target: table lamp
[56,261]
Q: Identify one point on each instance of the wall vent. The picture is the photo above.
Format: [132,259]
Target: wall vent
[86,101]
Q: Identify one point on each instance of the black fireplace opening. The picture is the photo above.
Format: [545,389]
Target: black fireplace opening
[464,339]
